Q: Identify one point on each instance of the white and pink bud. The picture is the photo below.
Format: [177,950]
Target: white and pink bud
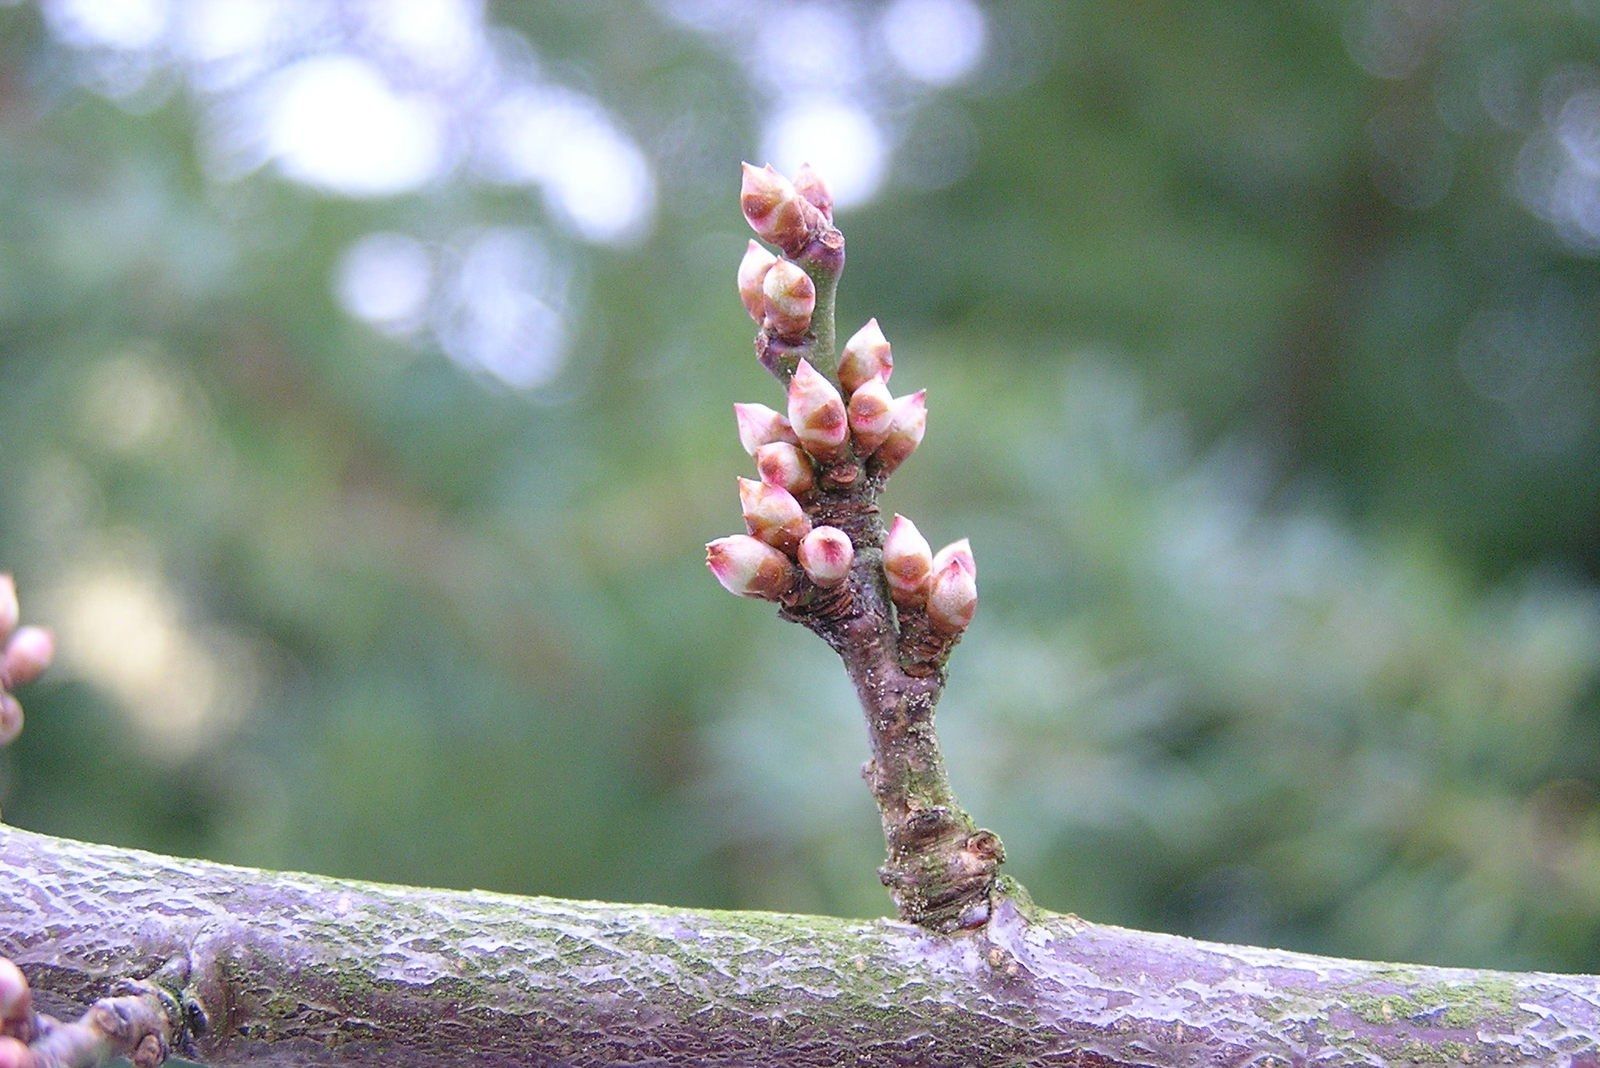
[907,563]
[10,610]
[16,1001]
[953,596]
[26,656]
[826,555]
[809,184]
[785,466]
[867,355]
[870,413]
[760,425]
[10,719]
[789,299]
[908,422]
[773,515]
[750,568]
[958,551]
[775,209]
[15,1054]
[817,415]
[752,272]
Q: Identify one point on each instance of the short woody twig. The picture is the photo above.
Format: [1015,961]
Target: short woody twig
[884,601]
[139,1023]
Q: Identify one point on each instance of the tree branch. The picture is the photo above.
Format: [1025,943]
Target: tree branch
[296,969]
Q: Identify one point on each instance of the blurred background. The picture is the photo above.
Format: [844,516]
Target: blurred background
[365,386]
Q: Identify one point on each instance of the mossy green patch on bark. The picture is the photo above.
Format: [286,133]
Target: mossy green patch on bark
[1464,1006]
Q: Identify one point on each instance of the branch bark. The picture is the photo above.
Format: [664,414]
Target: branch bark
[280,969]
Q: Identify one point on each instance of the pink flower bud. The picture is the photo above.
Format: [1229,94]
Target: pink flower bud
[809,184]
[775,210]
[959,551]
[773,515]
[825,556]
[816,412]
[30,651]
[760,425]
[907,563]
[752,270]
[750,568]
[907,424]
[16,1001]
[10,719]
[866,355]
[790,298]
[10,612]
[14,1054]
[953,596]
[785,466]
[871,411]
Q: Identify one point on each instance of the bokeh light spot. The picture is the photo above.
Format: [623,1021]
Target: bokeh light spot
[334,121]
[935,41]
[384,279]
[593,176]
[121,24]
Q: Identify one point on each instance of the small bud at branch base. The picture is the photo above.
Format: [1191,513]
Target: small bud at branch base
[16,1001]
[750,568]
[908,423]
[960,552]
[773,515]
[790,298]
[953,597]
[15,1054]
[809,184]
[30,651]
[825,556]
[760,425]
[870,412]
[907,563]
[785,466]
[752,271]
[865,356]
[816,412]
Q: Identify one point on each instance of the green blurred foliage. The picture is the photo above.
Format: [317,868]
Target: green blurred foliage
[1263,378]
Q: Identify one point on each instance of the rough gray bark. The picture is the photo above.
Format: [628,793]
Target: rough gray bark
[296,969]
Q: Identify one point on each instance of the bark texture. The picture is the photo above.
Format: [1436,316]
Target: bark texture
[296,969]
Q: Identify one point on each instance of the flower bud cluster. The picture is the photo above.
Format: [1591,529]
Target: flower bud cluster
[942,584]
[808,458]
[884,427]
[781,544]
[784,213]
[777,293]
[769,561]
[25,653]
